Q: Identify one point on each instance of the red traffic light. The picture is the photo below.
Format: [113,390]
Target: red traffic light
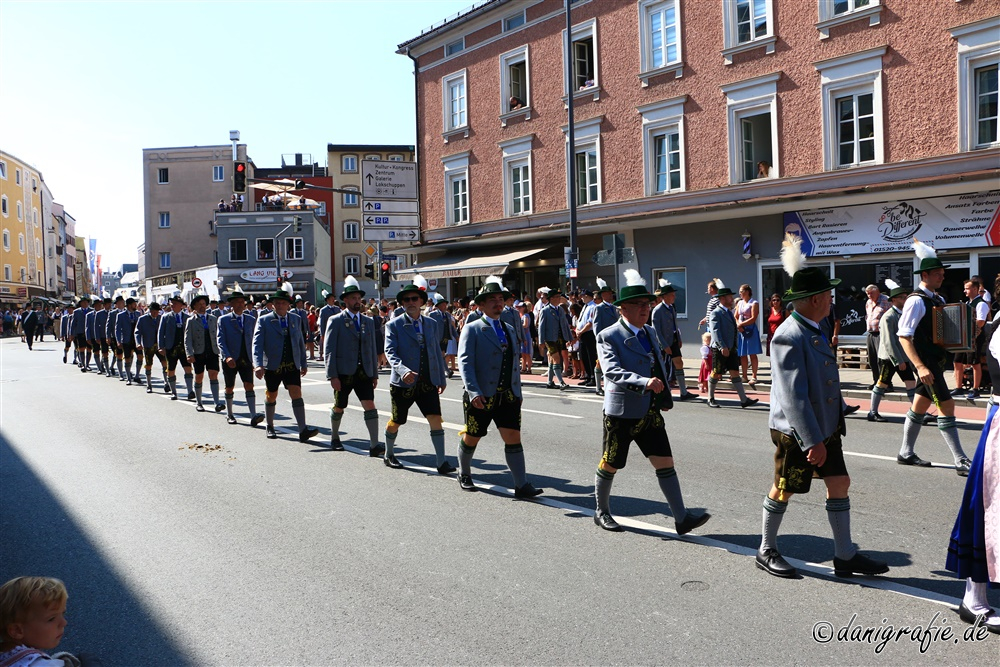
[385,267]
[241,167]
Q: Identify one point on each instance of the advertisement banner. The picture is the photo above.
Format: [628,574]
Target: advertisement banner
[957,221]
[264,275]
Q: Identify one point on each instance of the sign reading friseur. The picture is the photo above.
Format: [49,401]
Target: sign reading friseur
[264,275]
[958,221]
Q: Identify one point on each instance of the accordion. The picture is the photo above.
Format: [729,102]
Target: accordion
[954,327]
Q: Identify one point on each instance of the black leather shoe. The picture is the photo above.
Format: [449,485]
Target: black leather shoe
[166,389]
[256,420]
[173,398]
[307,433]
[465,483]
[336,445]
[446,468]
[391,461]
[219,407]
[526,491]
[128,383]
[607,522]
[149,390]
[688,396]
[550,385]
[749,402]
[230,420]
[563,387]
[912,460]
[377,451]
[199,408]
[771,562]
[600,392]
[972,618]
[270,432]
[851,409]
[860,564]
[876,417]
[191,396]
[691,522]
[963,467]
[713,404]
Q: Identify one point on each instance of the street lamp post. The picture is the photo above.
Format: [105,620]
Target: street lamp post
[571,136]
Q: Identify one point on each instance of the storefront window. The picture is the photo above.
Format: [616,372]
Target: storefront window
[677,278]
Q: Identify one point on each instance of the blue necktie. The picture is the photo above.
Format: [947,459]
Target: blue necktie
[284,324]
[644,340]
[204,321]
[239,322]
[179,322]
[357,324]
[499,331]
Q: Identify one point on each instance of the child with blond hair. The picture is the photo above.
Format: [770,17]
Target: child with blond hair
[32,621]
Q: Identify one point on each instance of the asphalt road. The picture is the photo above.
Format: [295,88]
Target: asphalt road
[260,552]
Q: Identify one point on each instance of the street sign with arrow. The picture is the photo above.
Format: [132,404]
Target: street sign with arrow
[388,180]
[409,234]
[392,220]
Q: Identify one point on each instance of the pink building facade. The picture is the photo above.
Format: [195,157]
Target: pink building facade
[705,130]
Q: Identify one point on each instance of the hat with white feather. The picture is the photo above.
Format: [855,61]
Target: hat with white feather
[895,289]
[721,286]
[493,285]
[350,287]
[419,285]
[805,281]
[927,256]
[665,287]
[236,292]
[635,288]
[602,286]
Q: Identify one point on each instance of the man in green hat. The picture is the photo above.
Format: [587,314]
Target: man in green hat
[605,315]
[325,313]
[201,344]
[636,373]
[488,362]
[413,348]
[235,340]
[891,358]
[279,357]
[170,338]
[665,322]
[722,326]
[146,330]
[929,359]
[554,333]
[352,364]
[807,420]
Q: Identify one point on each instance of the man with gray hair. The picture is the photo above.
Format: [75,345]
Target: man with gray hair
[875,308]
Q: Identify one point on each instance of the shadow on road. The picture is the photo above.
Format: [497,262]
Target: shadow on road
[107,621]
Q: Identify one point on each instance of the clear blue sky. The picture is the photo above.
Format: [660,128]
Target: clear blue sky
[88,85]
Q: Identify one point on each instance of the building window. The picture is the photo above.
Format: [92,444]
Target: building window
[265,250]
[24,275]
[747,24]
[3,170]
[237,250]
[20,243]
[34,216]
[837,12]
[6,240]
[349,164]
[845,6]
[978,59]
[350,200]
[164,219]
[351,230]
[852,109]
[17,176]
[38,248]
[352,265]
[373,156]
[395,157]
[659,34]
[455,47]
[583,51]
[294,248]
[20,211]
[7,275]
[455,116]
[663,145]
[218,173]
[34,184]
[164,260]
[456,188]
[3,206]
[586,160]
[512,22]
[514,80]
[162,175]
[753,135]
[517,175]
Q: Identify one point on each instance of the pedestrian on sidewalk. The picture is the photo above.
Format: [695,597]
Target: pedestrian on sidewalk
[605,316]
[807,422]
[875,308]
[916,338]
[706,362]
[664,320]
[748,341]
[713,300]
[722,326]
[891,359]
[775,317]
[637,394]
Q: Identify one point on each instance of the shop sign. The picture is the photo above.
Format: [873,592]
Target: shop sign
[957,221]
[264,275]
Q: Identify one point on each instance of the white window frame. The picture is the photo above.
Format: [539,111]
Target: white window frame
[646,69]
[513,18]
[218,173]
[348,164]
[5,206]
[24,275]
[6,240]
[507,60]
[164,217]
[730,31]
[455,47]
[8,274]
[257,249]
[34,216]
[38,248]
[349,200]
[850,75]
[20,210]
[348,260]
[373,156]
[827,19]
[447,83]
[160,173]
[456,169]
[587,134]
[578,33]
[17,176]
[3,170]
[396,157]
[298,252]
[978,46]
[516,154]
[164,260]
[356,226]
[665,117]
[20,243]
[246,251]
[747,98]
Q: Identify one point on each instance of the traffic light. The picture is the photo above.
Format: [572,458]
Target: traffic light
[300,185]
[370,271]
[297,224]
[384,274]
[239,176]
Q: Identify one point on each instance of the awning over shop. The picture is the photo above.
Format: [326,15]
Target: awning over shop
[468,264]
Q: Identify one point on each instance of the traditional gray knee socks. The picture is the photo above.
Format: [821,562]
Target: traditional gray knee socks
[189,381]
[738,385]
[602,489]
[335,418]
[269,410]
[197,392]
[681,382]
[229,406]
[558,369]
[299,410]
[437,439]
[711,389]
[371,421]
[515,461]
[950,434]
[214,386]
[911,429]
[390,442]
[877,394]
[671,488]
[465,457]
[774,512]
[252,403]
[838,511]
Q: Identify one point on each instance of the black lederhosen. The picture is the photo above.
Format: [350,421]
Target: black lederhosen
[128,349]
[502,408]
[206,361]
[244,368]
[287,372]
[793,473]
[80,342]
[887,369]
[675,349]
[359,383]
[149,352]
[177,354]
[556,348]
[721,363]
[423,393]
[648,432]
[105,348]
